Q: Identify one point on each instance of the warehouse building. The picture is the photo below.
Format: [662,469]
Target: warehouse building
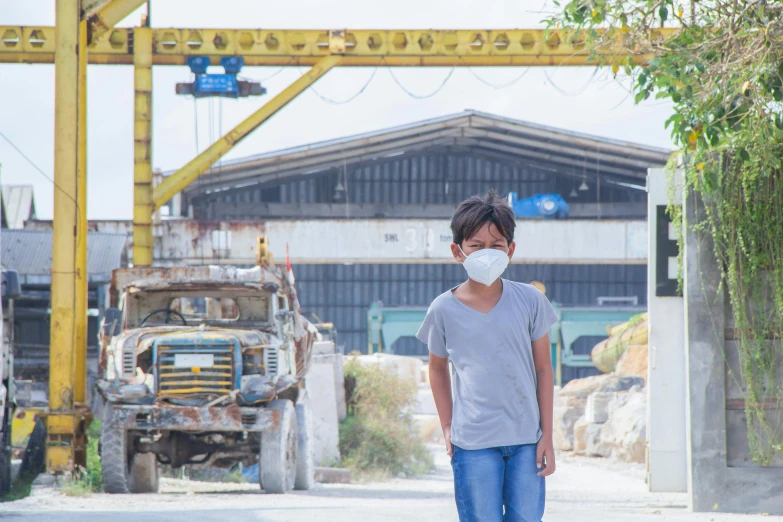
[346,196]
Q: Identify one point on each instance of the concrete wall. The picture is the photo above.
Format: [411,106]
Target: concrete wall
[720,477]
[666,456]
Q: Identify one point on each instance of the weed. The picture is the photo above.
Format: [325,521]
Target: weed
[379,437]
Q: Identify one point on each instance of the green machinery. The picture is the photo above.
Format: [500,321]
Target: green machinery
[387,324]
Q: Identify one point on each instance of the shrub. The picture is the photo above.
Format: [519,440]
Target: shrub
[379,437]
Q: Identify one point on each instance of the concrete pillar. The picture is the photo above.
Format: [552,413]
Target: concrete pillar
[666,455]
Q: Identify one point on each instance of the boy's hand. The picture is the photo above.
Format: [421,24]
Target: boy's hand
[447,436]
[545,456]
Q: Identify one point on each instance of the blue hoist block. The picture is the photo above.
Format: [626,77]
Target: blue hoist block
[224,85]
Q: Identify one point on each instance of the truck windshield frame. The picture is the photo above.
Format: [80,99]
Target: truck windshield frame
[235,307]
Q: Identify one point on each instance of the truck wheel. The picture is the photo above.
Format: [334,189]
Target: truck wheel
[114,456]
[278,451]
[305,469]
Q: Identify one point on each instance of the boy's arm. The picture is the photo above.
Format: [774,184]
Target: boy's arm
[440,382]
[546,390]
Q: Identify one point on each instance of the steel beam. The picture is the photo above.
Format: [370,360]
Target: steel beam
[108,16]
[190,172]
[61,422]
[392,48]
[80,333]
[142,148]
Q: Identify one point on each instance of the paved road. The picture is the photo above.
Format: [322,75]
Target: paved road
[583,490]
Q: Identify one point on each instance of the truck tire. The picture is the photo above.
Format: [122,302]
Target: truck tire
[305,469]
[278,451]
[114,456]
[123,471]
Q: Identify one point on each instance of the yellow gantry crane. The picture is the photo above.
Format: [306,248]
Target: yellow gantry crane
[84,34]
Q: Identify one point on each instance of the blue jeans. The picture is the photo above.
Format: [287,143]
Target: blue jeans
[487,481]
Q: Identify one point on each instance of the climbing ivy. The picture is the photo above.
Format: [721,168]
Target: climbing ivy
[720,64]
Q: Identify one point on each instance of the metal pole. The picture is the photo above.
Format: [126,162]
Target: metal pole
[80,334]
[61,422]
[190,172]
[142,148]
[80,392]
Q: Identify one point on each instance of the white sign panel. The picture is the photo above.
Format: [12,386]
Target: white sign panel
[190,360]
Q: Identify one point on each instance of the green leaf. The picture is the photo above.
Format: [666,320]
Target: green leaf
[743,154]
[639,96]
[777,94]
[663,13]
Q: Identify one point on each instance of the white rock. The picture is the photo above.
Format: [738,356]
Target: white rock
[593,445]
[597,408]
[570,402]
[580,436]
[624,434]
[567,411]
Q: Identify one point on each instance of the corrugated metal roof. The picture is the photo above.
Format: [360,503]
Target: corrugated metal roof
[29,252]
[18,205]
[514,139]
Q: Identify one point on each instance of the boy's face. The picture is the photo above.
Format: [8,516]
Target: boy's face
[488,236]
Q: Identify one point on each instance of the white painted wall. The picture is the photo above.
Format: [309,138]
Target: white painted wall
[666,457]
[421,241]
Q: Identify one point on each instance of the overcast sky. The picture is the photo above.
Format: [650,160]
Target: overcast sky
[578,99]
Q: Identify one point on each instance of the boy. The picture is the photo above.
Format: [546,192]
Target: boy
[495,332]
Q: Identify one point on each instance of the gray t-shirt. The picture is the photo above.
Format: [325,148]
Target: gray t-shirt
[495,398]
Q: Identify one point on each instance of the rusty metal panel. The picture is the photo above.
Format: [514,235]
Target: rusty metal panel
[194,418]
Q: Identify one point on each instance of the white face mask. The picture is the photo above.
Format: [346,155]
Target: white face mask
[486,265]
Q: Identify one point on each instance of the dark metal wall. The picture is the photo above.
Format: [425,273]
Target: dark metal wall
[341,294]
[32,329]
[445,178]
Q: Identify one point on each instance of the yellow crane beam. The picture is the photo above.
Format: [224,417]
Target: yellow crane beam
[142,148]
[190,172]
[259,47]
[109,14]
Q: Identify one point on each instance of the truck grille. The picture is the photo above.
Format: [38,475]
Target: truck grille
[217,379]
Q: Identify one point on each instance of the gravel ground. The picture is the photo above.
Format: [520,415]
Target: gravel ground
[583,490]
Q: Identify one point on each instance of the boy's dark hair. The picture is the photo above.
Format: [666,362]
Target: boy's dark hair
[476,211]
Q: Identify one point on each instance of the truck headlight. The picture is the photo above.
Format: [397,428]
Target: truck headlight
[253,362]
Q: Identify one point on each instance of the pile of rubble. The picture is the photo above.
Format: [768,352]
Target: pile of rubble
[606,415]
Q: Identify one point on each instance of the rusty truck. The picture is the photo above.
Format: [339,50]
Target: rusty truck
[204,366]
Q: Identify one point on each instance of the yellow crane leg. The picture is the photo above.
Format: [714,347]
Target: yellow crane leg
[61,421]
[190,172]
[80,343]
[142,147]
